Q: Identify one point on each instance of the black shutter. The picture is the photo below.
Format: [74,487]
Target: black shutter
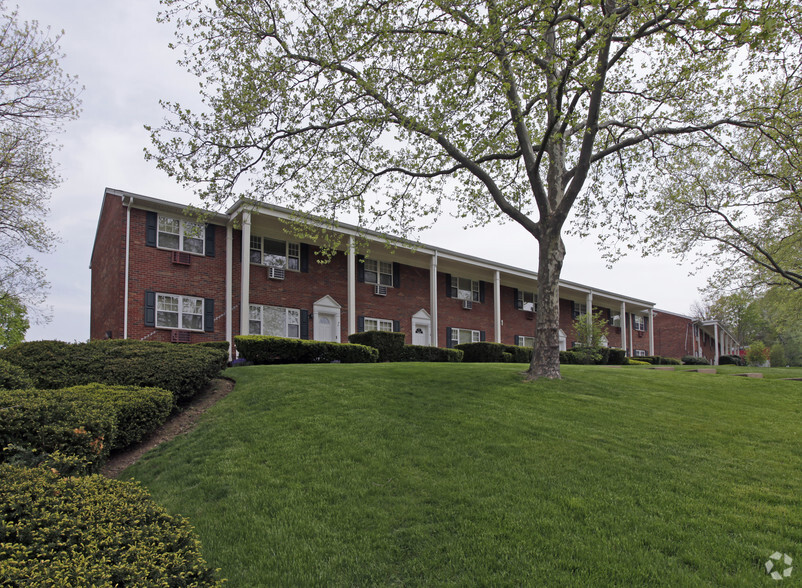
[360,324]
[519,304]
[646,323]
[360,268]
[208,315]
[448,287]
[150,308]
[396,274]
[151,223]
[210,240]
[304,324]
[482,336]
[573,309]
[396,326]
[517,340]
[449,343]
[305,258]
[481,291]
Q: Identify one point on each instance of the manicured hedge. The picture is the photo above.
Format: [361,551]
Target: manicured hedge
[426,353]
[482,352]
[182,369]
[692,360]
[659,360]
[390,345]
[92,531]
[731,360]
[260,349]
[37,421]
[616,356]
[13,377]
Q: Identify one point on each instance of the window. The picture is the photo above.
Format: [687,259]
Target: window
[638,323]
[275,321]
[465,336]
[464,289]
[580,308]
[527,301]
[273,253]
[640,353]
[378,272]
[615,320]
[526,341]
[378,325]
[179,312]
[181,235]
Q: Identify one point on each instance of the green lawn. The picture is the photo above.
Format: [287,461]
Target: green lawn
[461,474]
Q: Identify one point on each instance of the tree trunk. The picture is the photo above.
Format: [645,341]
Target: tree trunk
[546,357]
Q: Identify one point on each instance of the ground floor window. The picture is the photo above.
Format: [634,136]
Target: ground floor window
[372,324]
[179,312]
[465,336]
[524,341]
[640,353]
[275,321]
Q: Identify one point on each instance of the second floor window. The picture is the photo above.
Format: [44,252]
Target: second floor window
[580,308]
[378,272]
[274,253]
[181,235]
[464,289]
[638,322]
[527,301]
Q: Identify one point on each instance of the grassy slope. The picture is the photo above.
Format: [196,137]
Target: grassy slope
[461,474]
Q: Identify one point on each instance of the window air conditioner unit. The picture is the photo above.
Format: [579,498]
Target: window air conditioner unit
[380,290]
[467,304]
[179,336]
[181,258]
[275,273]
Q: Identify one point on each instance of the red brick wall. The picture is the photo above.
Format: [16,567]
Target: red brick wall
[673,335]
[108,271]
[451,314]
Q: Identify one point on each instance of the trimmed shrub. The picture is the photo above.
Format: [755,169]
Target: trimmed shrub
[519,353]
[37,420]
[262,350]
[616,356]
[692,360]
[182,369]
[426,353]
[482,352]
[13,377]
[631,361]
[92,531]
[569,358]
[221,345]
[390,345]
[651,359]
[731,360]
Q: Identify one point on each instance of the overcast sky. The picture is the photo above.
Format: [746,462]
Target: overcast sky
[120,54]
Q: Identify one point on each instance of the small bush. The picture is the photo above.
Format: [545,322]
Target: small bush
[182,369]
[92,531]
[390,345]
[482,352]
[431,354]
[262,350]
[731,360]
[616,356]
[631,361]
[569,358]
[13,377]
[692,360]
[777,355]
[519,353]
[220,345]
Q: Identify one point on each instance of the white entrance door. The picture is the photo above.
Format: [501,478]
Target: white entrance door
[325,327]
[326,320]
[420,334]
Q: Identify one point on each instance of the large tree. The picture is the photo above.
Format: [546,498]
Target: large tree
[514,109]
[36,97]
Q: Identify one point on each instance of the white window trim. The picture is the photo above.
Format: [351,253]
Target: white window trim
[287,255]
[580,308]
[640,353]
[476,336]
[287,323]
[180,312]
[379,323]
[473,295]
[378,272]
[523,303]
[639,322]
[181,233]
[526,341]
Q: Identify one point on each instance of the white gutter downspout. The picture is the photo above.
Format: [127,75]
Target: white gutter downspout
[589,315]
[127,266]
[245,273]
[623,324]
[433,298]
[229,287]
[497,305]
[351,285]
[717,350]
[651,331]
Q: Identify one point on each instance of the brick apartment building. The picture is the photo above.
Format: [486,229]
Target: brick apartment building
[159,275]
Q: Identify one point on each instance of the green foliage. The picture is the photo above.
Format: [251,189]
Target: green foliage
[390,345]
[590,331]
[92,531]
[757,354]
[13,320]
[220,345]
[426,353]
[616,356]
[777,355]
[660,360]
[182,369]
[519,353]
[484,351]
[13,377]
[631,361]
[260,349]
[693,360]
[731,360]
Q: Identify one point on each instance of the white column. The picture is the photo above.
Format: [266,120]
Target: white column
[631,340]
[229,288]
[351,285]
[589,313]
[651,331]
[623,323]
[497,305]
[127,267]
[717,350]
[245,292]
[433,298]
